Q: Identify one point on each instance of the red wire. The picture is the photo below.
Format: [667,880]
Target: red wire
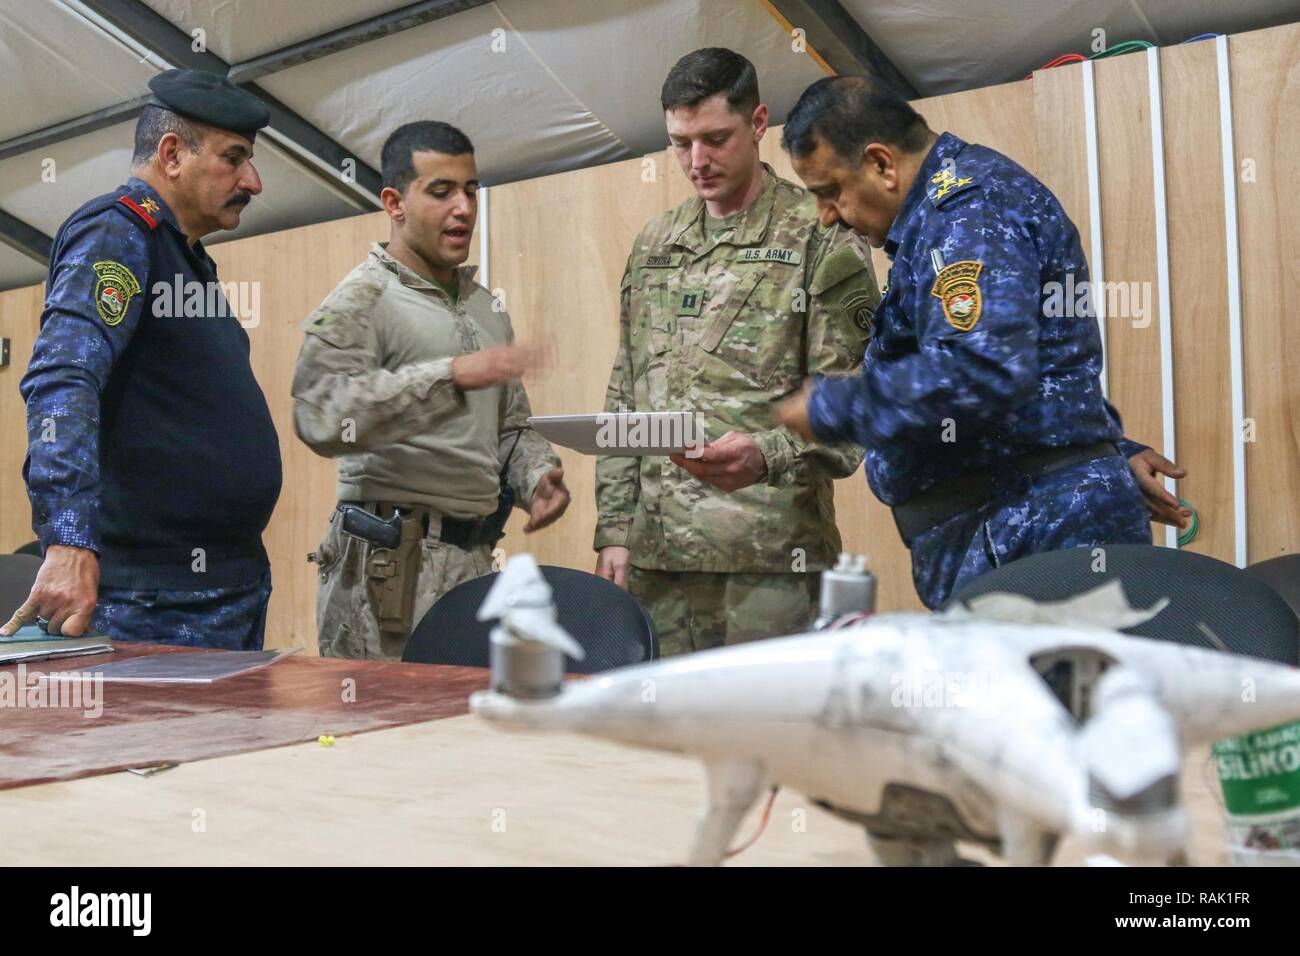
[1060,61]
[762,825]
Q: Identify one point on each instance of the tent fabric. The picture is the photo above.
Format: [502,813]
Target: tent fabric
[541,86]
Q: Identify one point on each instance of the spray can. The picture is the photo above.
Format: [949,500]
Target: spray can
[847,588]
[1260,776]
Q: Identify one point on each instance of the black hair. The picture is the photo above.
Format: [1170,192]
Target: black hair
[708,72]
[848,112]
[396,167]
[154,123]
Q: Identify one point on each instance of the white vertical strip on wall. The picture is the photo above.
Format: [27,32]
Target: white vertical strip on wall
[1162,272]
[1234,302]
[483,238]
[1098,270]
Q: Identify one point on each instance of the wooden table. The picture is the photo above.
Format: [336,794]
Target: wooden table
[452,791]
[294,700]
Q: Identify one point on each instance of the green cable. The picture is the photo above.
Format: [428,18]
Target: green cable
[1187,537]
[1128,46]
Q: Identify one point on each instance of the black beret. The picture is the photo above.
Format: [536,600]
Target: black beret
[210,98]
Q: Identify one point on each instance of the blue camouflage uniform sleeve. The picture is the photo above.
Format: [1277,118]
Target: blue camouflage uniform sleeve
[92,308]
[1127,447]
[976,326]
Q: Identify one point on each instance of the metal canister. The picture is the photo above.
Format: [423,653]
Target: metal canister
[847,588]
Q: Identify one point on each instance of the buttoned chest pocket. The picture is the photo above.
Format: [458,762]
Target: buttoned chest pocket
[749,333]
[653,325]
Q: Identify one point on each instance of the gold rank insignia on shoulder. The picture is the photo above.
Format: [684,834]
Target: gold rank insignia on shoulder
[113,291]
[791,257]
[149,206]
[947,181]
[957,287]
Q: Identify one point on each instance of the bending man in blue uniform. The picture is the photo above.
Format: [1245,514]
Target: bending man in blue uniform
[153,465]
[981,410]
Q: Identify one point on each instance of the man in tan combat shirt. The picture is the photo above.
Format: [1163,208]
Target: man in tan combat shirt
[729,302]
[410,378]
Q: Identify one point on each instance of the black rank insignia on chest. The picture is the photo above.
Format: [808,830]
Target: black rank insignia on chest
[690,301]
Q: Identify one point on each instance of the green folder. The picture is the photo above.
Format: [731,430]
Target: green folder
[33,632]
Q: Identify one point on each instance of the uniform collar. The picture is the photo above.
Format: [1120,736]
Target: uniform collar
[751,223]
[156,207]
[946,146]
[413,280]
[148,199]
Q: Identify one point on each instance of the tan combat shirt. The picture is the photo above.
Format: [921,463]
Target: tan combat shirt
[373,389]
[725,321]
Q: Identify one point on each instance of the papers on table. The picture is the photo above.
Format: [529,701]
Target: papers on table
[30,643]
[625,434]
[195,667]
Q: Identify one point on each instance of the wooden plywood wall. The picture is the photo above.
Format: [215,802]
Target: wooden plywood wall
[1266,106]
[558,245]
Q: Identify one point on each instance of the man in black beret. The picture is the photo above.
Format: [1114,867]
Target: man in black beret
[153,465]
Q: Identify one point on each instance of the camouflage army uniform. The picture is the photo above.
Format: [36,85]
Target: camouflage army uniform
[724,318]
[971,368]
[373,389]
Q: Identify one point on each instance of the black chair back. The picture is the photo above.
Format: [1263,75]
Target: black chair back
[1282,575]
[17,575]
[607,621]
[1211,603]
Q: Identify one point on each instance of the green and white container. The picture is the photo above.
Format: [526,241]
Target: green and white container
[1260,775]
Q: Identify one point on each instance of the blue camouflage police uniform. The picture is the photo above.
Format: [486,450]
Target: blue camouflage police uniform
[150,441]
[971,369]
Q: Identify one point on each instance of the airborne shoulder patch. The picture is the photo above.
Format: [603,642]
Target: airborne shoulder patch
[861,305]
[114,288]
[957,287]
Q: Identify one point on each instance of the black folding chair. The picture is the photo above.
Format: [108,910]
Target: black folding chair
[1211,604]
[607,621]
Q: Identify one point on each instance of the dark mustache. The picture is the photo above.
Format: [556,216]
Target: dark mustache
[240,199]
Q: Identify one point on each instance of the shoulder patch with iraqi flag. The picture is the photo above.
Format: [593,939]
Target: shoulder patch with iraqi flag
[957,287]
[113,291]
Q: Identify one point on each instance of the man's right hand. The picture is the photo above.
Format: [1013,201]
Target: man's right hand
[611,564]
[65,592]
[501,363]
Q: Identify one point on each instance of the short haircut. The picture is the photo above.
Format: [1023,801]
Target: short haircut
[154,123]
[708,72]
[848,112]
[396,167]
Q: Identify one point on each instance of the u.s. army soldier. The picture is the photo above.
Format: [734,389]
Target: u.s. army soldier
[729,301]
[409,376]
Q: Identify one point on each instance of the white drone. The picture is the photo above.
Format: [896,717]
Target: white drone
[990,726]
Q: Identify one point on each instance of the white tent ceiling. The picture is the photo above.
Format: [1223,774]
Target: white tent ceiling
[576,84]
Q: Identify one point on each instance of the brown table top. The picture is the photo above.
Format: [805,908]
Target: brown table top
[296,699]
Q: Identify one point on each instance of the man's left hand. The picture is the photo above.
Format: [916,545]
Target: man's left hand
[732,462]
[1164,507]
[550,499]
